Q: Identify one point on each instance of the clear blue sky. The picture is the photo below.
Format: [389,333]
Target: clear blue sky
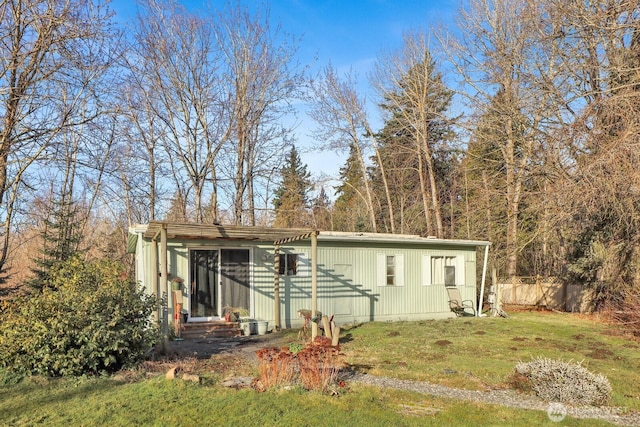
[347,33]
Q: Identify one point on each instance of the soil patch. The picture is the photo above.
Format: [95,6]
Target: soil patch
[443,343]
[205,348]
[601,353]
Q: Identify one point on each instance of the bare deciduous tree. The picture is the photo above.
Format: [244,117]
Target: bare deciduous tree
[415,99]
[342,123]
[51,54]
[496,57]
[177,61]
[261,80]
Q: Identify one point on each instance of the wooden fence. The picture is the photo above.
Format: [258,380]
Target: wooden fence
[546,292]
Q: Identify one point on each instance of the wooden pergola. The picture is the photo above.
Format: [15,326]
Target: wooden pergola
[189,231]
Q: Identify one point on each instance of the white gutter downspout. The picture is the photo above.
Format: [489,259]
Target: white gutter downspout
[484,275]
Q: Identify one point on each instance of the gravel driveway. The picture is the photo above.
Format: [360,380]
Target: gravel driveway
[500,397]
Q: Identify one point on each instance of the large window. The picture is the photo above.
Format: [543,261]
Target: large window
[443,270]
[390,270]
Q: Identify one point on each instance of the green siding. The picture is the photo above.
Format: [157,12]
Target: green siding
[347,280]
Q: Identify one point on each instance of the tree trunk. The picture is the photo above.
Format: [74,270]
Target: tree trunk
[425,196]
[239,180]
[513,201]
[387,192]
[435,198]
[214,197]
[367,187]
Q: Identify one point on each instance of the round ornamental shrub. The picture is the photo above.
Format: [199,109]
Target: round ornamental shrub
[566,382]
[90,320]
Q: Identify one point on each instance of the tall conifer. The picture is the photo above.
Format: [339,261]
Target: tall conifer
[292,196]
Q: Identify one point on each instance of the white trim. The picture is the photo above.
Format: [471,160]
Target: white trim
[426,270]
[460,270]
[399,273]
[381,269]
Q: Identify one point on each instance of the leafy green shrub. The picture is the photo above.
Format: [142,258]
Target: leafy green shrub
[559,381]
[91,320]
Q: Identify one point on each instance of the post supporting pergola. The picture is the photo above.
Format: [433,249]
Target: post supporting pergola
[314,284]
[164,288]
[155,273]
[313,235]
[276,286]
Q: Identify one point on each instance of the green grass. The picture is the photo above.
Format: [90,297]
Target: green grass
[481,354]
[157,402]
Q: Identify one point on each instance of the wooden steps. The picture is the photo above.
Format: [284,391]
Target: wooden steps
[212,329]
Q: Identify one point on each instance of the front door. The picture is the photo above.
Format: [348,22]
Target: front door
[219,278]
[203,292]
[234,278]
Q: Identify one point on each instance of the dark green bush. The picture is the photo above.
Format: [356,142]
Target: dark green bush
[91,320]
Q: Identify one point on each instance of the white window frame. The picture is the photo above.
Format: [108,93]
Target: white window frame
[381,269]
[427,263]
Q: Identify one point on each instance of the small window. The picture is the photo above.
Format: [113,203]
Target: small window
[288,265]
[449,275]
[391,270]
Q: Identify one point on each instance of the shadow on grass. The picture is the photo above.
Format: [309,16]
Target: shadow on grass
[45,392]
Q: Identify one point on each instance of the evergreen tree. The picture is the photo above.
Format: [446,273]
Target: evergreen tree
[61,238]
[292,196]
[414,142]
[177,211]
[321,211]
[501,162]
[350,208]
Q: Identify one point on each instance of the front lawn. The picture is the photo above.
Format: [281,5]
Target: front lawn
[480,353]
[466,352]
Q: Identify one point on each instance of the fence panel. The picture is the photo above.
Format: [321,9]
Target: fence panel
[546,292]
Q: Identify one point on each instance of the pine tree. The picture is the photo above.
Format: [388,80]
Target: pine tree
[61,239]
[350,208]
[414,142]
[321,211]
[292,196]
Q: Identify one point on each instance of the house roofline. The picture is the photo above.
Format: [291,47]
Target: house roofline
[395,238]
[285,235]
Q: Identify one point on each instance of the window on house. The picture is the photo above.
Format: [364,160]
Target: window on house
[443,270]
[288,264]
[390,270]
[449,275]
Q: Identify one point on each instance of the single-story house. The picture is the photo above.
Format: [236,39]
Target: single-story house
[272,273]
